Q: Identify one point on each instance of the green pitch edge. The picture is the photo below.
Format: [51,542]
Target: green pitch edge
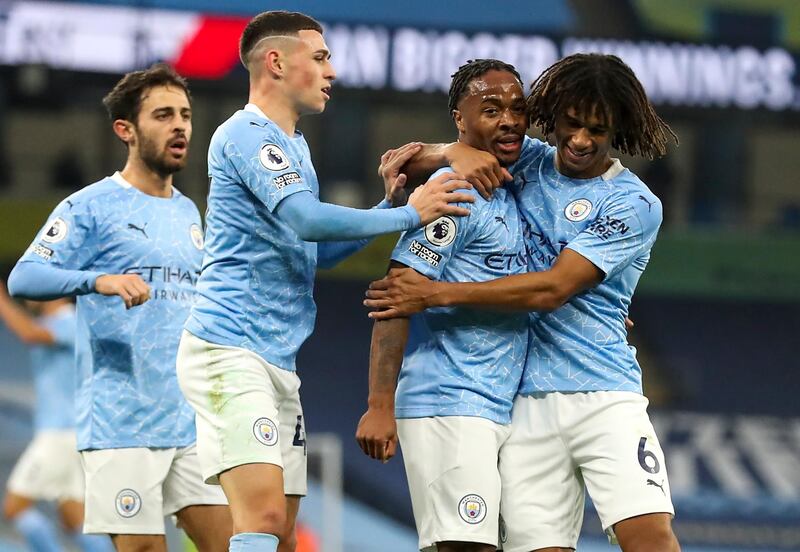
[694,263]
[707,264]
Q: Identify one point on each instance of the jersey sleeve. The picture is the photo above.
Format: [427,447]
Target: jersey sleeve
[624,228]
[268,166]
[428,249]
[62,242]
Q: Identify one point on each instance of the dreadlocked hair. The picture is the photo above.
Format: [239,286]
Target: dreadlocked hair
[606,86]
[473,69]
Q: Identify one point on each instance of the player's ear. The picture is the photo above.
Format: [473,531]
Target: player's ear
[274,62]
[459,120]
[124,131]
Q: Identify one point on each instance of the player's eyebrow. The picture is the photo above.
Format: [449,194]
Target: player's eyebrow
[491,99]
[324,52]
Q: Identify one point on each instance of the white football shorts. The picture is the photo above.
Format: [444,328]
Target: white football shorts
[49,469]
[248,411]
[129,491]
[451,465]
[561,443]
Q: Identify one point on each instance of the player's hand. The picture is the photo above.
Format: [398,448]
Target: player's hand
[377,433]
[480,168]
[394,181]
[130,288]
[401,293]
[435,198]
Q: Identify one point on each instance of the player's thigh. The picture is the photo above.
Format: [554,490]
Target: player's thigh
[616,447]
[209,527]
[256,497]
[451,464]
[14,504]
[124,490]
[139,543]
[288,538]
[236,401]
[201,509]
[649,532]
[49,469]
[543,494]
[71,514]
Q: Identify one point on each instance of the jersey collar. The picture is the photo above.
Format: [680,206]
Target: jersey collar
[253,108]
[614,170]
[118,178]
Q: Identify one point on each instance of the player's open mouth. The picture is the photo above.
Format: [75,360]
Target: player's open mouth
[327,92]
[178,146]
[576,157]
[509,143]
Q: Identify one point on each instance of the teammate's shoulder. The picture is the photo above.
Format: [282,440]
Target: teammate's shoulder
[245,125]
[532,150]
[536,146]
[97,191]
[479,201]
[627,189]
[183,200]
[630,185]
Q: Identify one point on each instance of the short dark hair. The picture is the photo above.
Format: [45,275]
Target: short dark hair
[589,82]
[125,99]
[273,23]
[471,70]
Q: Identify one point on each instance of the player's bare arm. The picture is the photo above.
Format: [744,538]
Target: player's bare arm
[377,430]
[480,168]
[21,323]
[129,287]
[405,292]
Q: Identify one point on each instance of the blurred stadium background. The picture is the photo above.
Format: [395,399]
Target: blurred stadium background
[717,313]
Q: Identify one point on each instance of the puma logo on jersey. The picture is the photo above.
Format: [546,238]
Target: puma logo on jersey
[651,483]
[132,226]
[649,203]
[502,221]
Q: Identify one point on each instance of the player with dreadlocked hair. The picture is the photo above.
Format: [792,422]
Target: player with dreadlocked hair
[579,420]
[605,84]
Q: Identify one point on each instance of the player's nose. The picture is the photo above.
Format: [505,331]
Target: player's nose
[581,138]
[330,72]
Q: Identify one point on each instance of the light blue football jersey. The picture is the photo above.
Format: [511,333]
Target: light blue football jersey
[612,221]
[128,393]
[54,372]
[462,361]
[255,289]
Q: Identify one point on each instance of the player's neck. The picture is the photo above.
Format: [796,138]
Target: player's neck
[276,106]
[146,180]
